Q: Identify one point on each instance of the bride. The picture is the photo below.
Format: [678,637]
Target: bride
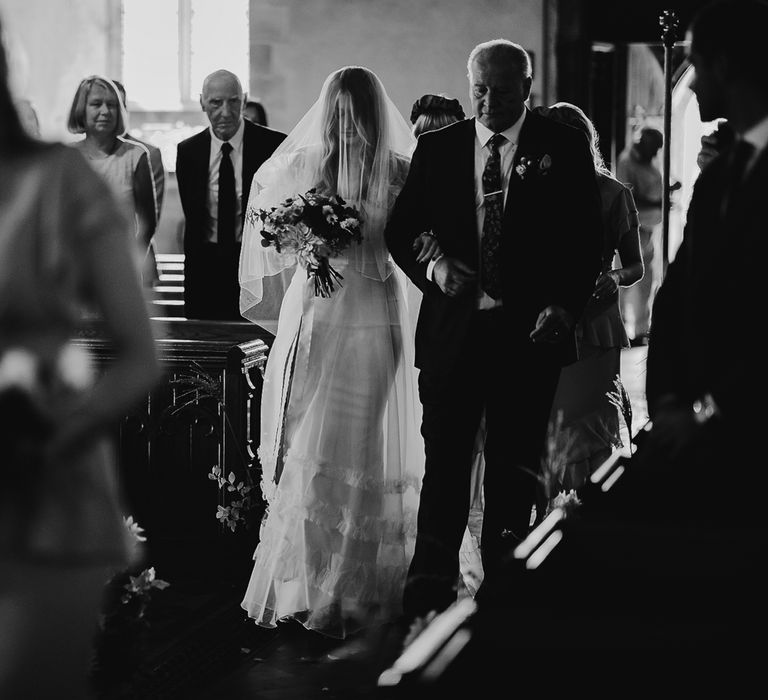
[340,451]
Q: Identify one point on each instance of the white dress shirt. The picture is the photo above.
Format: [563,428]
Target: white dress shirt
[214,160]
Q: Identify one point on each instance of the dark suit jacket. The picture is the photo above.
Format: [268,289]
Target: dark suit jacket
[710,307]
[192,158]
[551,243]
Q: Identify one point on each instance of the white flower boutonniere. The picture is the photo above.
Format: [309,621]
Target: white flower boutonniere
[531,166]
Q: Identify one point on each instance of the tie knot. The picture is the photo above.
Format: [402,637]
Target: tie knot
[496,141]
[226,148]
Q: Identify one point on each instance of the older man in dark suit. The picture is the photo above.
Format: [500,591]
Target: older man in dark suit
[512,199]
[214,169]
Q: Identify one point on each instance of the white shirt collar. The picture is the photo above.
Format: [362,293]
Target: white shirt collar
[236,141]
[512,133]
[758,134]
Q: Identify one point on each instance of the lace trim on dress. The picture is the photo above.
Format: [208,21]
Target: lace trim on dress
[350,477]
[396,521]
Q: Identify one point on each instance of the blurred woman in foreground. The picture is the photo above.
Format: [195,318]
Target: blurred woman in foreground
[64,250]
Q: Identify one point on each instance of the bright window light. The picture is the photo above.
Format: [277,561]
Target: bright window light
[219,40]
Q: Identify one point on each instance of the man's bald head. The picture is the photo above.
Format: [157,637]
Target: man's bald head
[222,100]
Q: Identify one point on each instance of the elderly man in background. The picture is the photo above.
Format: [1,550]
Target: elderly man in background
[214,169]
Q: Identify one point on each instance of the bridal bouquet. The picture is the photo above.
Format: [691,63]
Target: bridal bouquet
[314,227]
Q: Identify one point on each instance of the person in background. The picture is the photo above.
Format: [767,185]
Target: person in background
[637,169]
[214,169]
[66,249]
[98,112]
[585,422]
[255,111]
[513,202]
[432,112]
[149,273]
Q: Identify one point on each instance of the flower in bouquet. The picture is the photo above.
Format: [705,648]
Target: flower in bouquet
[314,227]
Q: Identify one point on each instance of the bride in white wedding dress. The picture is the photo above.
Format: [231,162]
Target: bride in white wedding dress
[340,448]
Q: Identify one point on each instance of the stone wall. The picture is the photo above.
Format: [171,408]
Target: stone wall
[415,46]
[53,44]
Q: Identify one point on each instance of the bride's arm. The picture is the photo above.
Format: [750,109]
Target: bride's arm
[278,178]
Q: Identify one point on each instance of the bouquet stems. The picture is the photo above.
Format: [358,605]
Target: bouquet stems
[326,279]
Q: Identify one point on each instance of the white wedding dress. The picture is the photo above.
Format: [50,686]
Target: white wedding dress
[342,458]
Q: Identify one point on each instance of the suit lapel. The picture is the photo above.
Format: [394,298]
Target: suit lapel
[529,146]
[466,183]
[202,160]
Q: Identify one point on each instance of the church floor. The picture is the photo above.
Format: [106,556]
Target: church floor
[200,645]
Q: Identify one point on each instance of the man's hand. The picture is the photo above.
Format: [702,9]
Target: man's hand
[454,277]
[426,247]
[709,149]
[607,286]
[552,325]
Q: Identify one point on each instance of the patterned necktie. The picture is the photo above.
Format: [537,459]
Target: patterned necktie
[490,277]
[227,198]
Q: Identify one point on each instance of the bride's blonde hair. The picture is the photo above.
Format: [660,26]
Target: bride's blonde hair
[357,88]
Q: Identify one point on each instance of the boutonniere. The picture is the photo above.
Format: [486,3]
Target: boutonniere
[530,166]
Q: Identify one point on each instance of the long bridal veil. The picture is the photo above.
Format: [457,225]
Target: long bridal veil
[357,150]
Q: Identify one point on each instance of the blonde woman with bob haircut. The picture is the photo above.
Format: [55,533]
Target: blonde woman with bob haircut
[97,112]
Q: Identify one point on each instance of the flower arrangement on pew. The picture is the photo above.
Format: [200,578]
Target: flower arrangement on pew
[236,491]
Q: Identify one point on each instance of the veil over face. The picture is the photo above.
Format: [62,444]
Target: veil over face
[352,142]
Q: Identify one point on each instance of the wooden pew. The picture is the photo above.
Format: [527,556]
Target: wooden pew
[203,413]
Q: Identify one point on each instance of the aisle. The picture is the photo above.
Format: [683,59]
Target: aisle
[292,663]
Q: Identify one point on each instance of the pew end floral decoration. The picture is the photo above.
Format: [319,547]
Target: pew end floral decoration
[140,586]
[314,227]
[237,503]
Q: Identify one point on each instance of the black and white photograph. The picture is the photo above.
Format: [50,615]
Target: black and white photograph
[390,349]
